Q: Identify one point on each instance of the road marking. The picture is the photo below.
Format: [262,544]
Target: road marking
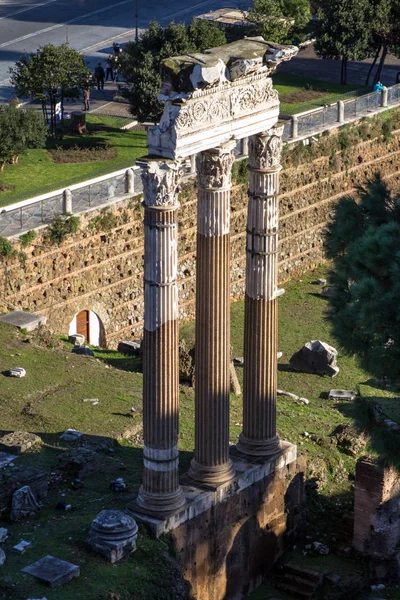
[18,12]
[53,27]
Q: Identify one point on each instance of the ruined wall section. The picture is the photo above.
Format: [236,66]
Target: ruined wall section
[101,266]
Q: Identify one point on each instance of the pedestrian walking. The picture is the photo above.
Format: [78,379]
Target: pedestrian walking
[86,99]
[99,76]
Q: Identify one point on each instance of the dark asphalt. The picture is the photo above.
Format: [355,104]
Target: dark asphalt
[88,25]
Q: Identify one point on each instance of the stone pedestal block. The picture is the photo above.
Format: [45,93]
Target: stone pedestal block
[113,534]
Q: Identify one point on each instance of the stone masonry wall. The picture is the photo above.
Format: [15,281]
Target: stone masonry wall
[377,518]
[101,266]
[244,535]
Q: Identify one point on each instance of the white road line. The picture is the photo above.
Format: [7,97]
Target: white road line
[18,12]
[35,33]
[180,12]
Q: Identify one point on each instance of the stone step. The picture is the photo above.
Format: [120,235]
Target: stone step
[304,573]
[298,581]
[294,589]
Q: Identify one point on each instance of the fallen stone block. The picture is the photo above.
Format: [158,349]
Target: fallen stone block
[24,504]
[22,547]
[3,534]
[2,557]
[71,435]
[52,570]
[19,442]
[23,320]
[126,347]
[315,357]
[79,462]
[84,350]
[342,395]
[17,372]
[18,477]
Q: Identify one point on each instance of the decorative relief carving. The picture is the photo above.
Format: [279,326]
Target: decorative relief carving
[214,167]
[253,97]
[197,113]
[265,149]
[202,112]
[161,183]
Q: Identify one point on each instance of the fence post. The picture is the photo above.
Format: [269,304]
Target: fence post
[67,201]
[295,127]
[340,111]
[129,181]
[245,146]
[193,164]
[384,97]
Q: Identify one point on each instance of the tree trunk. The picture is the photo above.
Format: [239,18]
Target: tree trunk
[78,121]
[381,64]
[373,65]
[2,165]
[343,72]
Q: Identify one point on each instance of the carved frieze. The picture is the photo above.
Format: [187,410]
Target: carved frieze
[161,182]
[225,105]
[265,149]
[214,167]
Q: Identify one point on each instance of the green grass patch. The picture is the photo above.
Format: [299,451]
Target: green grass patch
[299,94]
[37,173]
[50,399]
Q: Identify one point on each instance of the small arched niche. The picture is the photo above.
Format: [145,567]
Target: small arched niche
[88,323]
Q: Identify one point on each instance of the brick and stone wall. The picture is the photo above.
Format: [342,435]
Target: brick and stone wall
[101,266]
[244,535]
[377,518]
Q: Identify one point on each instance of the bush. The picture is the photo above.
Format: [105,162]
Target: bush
[61,226]
[27,238]
[387,128]
[6,248]
[19,130]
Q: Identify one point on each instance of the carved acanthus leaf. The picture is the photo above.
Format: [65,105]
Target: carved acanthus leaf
[265,148]
[214,168]
[161,183]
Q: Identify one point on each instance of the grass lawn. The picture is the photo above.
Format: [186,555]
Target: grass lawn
[36,173]
[298,94]
[50,399]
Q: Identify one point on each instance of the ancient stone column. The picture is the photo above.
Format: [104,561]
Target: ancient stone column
[211,464]
[259,437]
[160,493]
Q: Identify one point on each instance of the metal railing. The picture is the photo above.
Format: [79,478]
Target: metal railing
[315,121]
[79,198]
[36,212]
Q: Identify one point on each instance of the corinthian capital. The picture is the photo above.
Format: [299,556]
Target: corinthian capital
[161,180]
[265,149]
[214,167]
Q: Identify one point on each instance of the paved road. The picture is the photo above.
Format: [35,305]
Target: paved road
[306,63]
[89,25]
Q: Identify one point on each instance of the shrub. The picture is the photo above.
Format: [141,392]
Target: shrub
[105,221]
[387,128]
[61,226]
[6,248]
[27,238]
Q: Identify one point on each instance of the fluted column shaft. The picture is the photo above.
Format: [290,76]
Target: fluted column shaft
[160,492]
[211,464]
[259,437]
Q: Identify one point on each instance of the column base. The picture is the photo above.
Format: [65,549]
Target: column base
[157,505]
[265,448]
[211,475]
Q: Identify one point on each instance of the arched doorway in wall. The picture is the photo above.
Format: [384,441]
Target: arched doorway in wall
[87,323]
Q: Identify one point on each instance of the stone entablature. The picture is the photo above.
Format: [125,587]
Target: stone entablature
[213,97]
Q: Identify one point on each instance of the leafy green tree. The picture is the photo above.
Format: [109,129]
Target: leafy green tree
[141,62]
[363,240]
[19,130]
[343,31]
[50,75]
[279,20]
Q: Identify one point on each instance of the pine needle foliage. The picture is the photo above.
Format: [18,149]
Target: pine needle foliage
[363,241]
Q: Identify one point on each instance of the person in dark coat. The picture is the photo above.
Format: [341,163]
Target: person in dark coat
[99,75]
